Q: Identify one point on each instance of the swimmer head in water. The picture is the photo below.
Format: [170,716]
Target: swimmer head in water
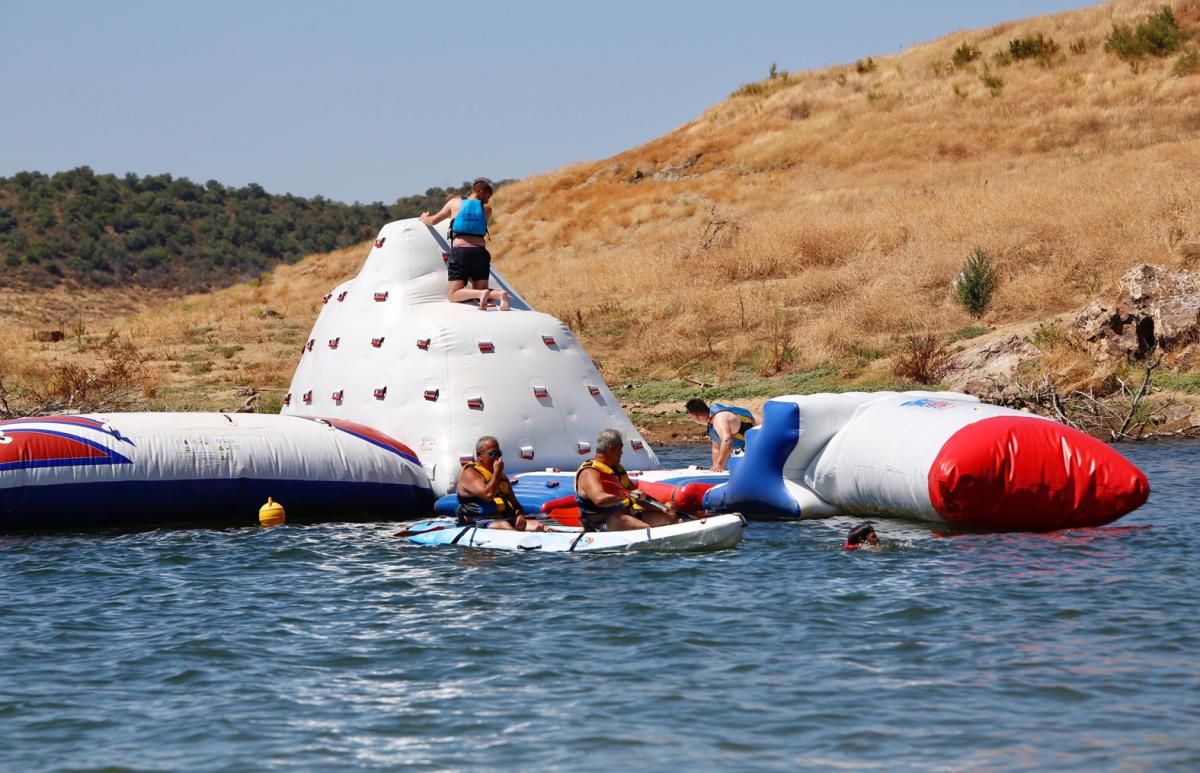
[862,534]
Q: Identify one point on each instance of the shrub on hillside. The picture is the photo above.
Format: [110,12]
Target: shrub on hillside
[116,383]
[1188,63]
[775,80]
[1158,35]
[976,283]
[965,54]
[1036,47]
[922,359]
[994,83]
[864,66]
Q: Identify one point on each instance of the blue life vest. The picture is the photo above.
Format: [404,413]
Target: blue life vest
[739,437]
[470,220]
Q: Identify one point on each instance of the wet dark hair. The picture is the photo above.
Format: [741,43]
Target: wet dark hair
[859,534]
[696,405]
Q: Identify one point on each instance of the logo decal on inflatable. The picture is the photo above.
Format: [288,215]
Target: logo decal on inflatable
[925,402]
[29,444]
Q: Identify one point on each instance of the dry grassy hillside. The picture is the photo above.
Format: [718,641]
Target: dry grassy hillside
[811,221]
[821,219]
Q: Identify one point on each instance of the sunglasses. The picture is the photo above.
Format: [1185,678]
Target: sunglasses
[494,453]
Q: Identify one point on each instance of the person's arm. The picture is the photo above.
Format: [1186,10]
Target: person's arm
[474,484]
[726,423]
[650,502]
[592,489]
[441,215]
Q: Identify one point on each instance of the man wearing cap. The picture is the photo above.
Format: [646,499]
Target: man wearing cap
[470,261]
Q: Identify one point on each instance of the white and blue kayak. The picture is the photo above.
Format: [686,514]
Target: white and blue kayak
[714,532]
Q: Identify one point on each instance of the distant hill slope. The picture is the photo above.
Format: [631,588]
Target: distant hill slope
[165,232]
[816,219]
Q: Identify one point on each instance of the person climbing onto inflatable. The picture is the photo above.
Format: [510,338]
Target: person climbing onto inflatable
[470,260]
[727,425]
[485,495]
[606,496]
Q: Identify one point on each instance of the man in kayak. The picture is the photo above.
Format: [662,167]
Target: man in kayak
[727,425]
[485,495]
[606,496]
[470,260]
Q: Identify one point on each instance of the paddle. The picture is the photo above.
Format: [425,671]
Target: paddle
[415,532]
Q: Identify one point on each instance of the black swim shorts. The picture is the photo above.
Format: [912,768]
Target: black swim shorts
[468,264]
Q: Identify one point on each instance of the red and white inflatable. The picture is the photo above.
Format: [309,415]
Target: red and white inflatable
[940,457]
[149,468]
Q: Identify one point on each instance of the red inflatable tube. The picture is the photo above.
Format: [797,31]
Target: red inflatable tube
[688,498]
[1014,473]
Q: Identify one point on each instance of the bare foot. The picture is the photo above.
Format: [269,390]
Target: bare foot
[504,304]
[483,300]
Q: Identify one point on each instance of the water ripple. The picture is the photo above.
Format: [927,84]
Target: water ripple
[338,646]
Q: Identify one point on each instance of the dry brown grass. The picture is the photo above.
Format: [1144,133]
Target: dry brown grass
[197,350]
[850,201]
[803,226]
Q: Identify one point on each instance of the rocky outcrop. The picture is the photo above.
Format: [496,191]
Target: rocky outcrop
[989,371]
[1150,308]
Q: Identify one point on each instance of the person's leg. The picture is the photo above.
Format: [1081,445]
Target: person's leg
[624,522]
[659,519]
[480,288]
[504,303]
[479,267]
[490,294]
[454,291]
[458,272]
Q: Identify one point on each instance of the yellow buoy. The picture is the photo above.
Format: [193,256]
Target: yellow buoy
[271,514]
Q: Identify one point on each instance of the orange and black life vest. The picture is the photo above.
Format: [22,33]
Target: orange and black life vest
[503,504]
[614,480]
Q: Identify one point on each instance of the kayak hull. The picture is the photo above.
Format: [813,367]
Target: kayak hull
[716,532]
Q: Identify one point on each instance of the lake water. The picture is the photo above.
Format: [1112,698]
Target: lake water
[339,646]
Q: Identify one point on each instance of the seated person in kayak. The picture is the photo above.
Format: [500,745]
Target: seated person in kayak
[727,425]
[485,496]
[470,261]
[606,496]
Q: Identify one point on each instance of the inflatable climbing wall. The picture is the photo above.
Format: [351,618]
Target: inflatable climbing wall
[389,351]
